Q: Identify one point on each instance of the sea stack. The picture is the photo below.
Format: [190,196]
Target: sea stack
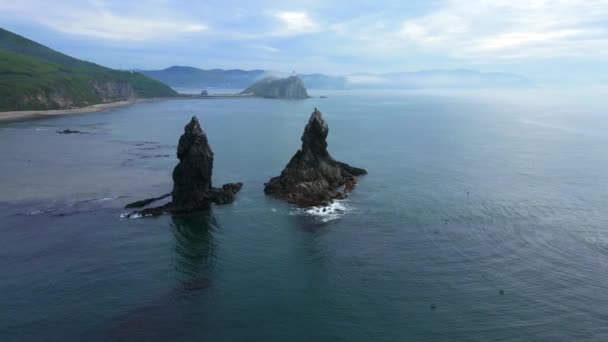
[192,188]
[312,177]
[290,88]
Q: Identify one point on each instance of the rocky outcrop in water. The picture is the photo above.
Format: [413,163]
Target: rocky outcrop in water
[192,176]
[291,88]
[146,201]
[71,131]
[312,177]
[192,188]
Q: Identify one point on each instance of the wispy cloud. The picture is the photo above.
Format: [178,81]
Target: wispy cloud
[502,29]
[296,23]
[483,31]
[265,48]
[497,35]
[110,26]
[97,22]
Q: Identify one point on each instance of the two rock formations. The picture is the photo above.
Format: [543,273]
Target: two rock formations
[311,178]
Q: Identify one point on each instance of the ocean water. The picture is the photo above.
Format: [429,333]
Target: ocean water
[483,218]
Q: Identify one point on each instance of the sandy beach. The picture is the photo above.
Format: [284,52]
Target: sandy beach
[39,114]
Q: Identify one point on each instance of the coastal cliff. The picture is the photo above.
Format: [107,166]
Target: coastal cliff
[63,96]
[291,88]
[312,177]
[35,77]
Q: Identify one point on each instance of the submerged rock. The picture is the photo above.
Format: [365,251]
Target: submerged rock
[145,202]
[70,131]
[197,284]
[312,177]
[192,188]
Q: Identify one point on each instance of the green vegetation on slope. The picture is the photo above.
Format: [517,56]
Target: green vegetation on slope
[278,88]
[33,76]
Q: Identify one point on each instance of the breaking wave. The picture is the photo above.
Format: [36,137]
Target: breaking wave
[331,212]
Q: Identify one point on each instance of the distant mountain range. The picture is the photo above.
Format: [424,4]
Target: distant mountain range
[458,78]
[33,76]
[190,77]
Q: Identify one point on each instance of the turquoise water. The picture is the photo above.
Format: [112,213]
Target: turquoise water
[466,195]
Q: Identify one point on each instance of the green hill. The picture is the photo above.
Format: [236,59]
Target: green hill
[33,76]
[291,88]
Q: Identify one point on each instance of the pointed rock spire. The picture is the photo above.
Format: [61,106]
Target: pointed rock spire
[312,177]
[192,175]
[315,134]
[192,188]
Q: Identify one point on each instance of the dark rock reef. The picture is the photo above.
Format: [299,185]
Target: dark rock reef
[312,177]
[291,88]
[192,188]
[70,131]
[146,201]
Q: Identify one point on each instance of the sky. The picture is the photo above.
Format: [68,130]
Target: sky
[545,40]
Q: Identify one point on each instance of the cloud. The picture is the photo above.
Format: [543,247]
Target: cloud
[481,31]
[109,26]
[98,22]
[265,48]
[520,29]
[344,36]
[296,23]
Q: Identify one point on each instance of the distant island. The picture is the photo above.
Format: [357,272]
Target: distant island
[291,88]
[35,77]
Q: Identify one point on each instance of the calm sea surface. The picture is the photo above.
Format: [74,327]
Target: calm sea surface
[467,195]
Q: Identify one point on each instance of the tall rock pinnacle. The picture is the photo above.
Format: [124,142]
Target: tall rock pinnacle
[312,177]
[192,188]
[192,175]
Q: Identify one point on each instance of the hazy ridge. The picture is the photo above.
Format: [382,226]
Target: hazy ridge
[185,76]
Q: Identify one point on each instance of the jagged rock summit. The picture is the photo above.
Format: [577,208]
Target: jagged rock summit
[192,188]
[192,175]
[312,177]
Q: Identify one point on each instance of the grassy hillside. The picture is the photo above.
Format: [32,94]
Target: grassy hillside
[33,76]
